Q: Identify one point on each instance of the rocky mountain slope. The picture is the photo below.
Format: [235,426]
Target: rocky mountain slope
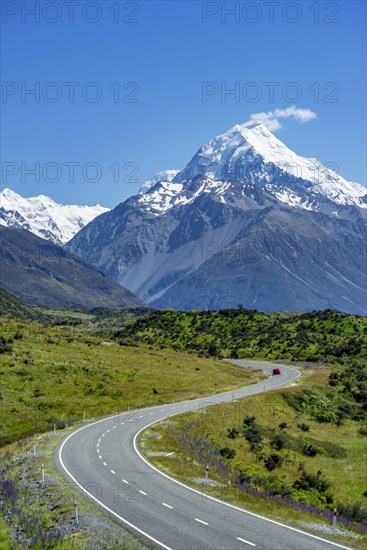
[43,274]
[247,221]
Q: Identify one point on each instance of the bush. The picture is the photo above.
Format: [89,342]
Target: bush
[252,435]
[355,512]
[249,421]
[227,453]
[312,481]
[304,427]
[282,425]
[309,450]
[273,461]
[5,345]
[233,432]
[279,441]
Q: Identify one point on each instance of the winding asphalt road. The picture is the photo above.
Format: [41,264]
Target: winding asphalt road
[103,460]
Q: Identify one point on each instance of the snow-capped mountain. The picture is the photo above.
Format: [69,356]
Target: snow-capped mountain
[44,217]
[164,176]
[250,154]
[246,221]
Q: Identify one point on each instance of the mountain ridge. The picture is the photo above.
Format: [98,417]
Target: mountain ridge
[41,273]
[44,217]
[240,191]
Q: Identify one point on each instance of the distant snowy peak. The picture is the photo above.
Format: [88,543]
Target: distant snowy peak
[44,217]
[164,176]
[249,154]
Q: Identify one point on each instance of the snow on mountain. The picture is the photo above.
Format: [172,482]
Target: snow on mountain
[44,217]
[250,153]
[245,222]
[164,176]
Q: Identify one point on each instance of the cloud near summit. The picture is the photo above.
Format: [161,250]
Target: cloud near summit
[271,119]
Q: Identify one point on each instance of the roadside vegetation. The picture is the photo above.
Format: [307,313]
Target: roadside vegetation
[286,454]
[41,515]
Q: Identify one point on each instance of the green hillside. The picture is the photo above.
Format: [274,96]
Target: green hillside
[328,336]
[59,374]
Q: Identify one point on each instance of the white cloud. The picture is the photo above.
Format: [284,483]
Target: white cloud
[271,118]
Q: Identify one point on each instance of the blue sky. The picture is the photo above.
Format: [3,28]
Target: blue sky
[163,53]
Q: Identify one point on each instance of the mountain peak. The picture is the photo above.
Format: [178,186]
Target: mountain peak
[44,217]
[164,176]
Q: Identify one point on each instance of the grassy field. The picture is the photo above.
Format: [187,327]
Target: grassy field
[59,375]
[239,461]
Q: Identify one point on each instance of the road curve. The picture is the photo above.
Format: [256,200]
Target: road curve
[103,460]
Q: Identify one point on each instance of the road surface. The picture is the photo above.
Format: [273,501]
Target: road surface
[103,460]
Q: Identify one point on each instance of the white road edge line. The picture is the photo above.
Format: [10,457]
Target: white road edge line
[201,521]
[167,505]
[98,501]
[246,541]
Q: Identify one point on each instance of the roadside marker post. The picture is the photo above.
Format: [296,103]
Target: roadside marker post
[334,520]
[207,474]
[76,512]
[42,473]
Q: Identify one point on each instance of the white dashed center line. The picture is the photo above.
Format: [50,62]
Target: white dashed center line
[124,480]
[246,541]
[167,505]
[201,521]
[142,492]
[113,472]
[104,464]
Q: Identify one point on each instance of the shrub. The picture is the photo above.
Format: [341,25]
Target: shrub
[333,379]
[249,421]
[304,427]
[227,453]
[273,461]
[279,441]
[309,450]
[282,425]
[5,345]
[252,435]
[233,432]
[312,481]
[356,511]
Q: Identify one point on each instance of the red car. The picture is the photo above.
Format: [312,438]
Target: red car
[276,371]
